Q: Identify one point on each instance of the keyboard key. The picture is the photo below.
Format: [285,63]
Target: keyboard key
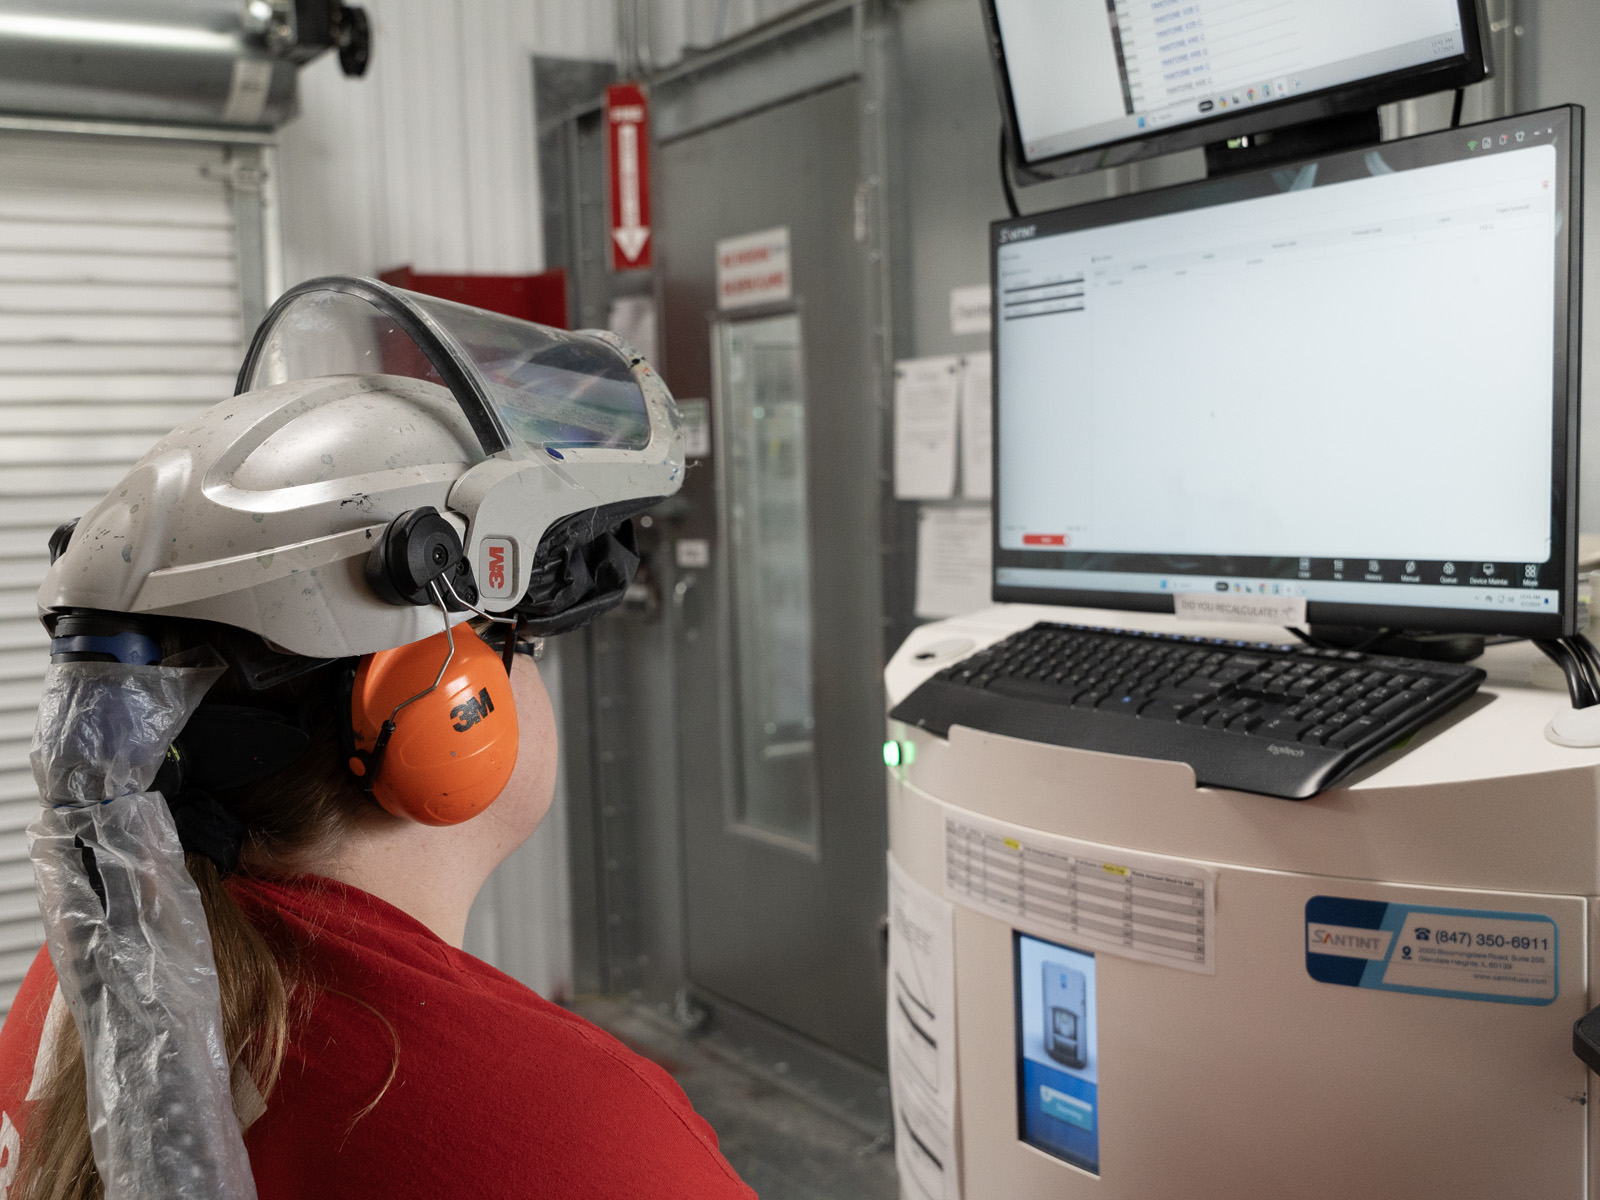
[1392,708]
[1125,704]
[1317,734]
[1032,689]
[1355,732]
[1158,710]
[1284,728]
[1188,696]
[1244,724]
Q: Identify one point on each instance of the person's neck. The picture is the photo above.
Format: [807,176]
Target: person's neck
[431,873]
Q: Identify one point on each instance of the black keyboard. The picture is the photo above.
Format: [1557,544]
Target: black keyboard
[1256,716]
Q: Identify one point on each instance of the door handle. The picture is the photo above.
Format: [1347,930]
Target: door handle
[680,593]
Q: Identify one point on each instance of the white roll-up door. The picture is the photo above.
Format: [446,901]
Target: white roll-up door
[119,318]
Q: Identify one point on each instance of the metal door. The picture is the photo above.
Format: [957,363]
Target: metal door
[779,702]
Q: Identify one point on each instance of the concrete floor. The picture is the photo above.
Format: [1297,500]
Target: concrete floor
[782,1144]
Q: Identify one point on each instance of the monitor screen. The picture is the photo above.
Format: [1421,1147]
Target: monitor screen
[1058,1055]
[1351,380]
[1079,76]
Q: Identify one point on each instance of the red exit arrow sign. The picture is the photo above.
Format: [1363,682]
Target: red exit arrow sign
[628,163]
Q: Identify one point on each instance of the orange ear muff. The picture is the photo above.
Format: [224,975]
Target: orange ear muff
[449,753]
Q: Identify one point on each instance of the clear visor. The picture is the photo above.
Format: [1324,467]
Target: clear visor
[548,387]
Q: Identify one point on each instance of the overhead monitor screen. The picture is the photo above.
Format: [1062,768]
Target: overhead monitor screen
[1345,381]
[1087,73]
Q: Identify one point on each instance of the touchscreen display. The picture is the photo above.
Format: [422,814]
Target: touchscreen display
[1058,1061]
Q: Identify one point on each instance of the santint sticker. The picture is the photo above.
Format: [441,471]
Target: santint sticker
[1466,954]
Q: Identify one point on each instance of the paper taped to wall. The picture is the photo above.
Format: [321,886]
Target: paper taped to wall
[977,445]
[926,392]
[953,560]
[922,1042]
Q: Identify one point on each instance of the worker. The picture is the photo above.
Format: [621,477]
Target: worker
[265,822]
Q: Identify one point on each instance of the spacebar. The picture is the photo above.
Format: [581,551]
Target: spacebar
[1035,689]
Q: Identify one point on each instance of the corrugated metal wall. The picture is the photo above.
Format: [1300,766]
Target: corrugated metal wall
[665,31]
[429,159]
[119,318]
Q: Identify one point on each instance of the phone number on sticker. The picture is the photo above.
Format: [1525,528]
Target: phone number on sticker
[1496,941]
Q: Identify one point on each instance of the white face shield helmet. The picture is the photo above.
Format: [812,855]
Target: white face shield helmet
[389,463]
[383,449]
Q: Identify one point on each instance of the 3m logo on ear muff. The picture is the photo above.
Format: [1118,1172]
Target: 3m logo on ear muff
[418,740]
[471,711]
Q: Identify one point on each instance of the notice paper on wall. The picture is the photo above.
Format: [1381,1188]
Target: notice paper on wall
[969,309]
[633,319]
[953,560]
[926,396]
[977,461]
[1144,906]
[922,1046]
[694,418]
[753,269]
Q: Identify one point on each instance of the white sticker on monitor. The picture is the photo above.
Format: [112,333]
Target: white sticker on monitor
[1229,609]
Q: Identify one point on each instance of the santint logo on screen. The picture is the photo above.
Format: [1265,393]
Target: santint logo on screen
[1058,1061]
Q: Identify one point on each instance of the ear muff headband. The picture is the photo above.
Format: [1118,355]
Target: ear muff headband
[443,758]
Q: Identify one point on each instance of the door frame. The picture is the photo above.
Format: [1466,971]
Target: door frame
[632,940]
[817,48]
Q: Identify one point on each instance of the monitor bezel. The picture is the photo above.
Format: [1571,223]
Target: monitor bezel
[1565,378]
[1472,66]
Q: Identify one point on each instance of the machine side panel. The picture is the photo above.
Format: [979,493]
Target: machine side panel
[1262,1081]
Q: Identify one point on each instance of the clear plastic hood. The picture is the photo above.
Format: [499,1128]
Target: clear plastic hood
[516,381]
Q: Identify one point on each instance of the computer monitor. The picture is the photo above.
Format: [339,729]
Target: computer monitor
[1352,380]
[1092,83]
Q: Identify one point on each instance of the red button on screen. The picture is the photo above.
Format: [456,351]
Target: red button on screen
[1044,539]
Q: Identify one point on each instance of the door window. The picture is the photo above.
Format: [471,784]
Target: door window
[762,401]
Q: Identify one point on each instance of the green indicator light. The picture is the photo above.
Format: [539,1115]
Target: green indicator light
[891,754]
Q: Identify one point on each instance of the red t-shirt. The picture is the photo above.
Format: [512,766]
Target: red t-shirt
[496,1093]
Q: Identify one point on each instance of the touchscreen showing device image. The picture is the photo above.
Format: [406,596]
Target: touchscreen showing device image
[1057,1058]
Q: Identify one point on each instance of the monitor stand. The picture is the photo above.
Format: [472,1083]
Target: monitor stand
[1309,140]
[1435,647]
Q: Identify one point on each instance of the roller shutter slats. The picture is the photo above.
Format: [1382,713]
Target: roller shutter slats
[119,318]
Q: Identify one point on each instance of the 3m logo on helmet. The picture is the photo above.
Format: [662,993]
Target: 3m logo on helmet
[471,711]
[497,567]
